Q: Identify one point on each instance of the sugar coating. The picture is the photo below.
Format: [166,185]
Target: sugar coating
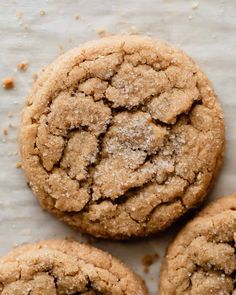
[201,259]
[66,267]
[121,136]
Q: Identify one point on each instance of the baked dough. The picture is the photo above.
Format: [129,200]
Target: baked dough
[60,267]
[121,136]
[201,260]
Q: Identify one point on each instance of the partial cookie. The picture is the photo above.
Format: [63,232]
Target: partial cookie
[202,260]
[121,137]
[66,267]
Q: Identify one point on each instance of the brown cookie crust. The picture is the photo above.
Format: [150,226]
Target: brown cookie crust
[201,260]
[121,137]
[66,267]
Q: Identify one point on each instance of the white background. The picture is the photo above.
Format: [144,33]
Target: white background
[206,33]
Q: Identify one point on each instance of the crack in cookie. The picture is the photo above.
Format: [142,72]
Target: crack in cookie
[201,259]
[117,132]
[66,267]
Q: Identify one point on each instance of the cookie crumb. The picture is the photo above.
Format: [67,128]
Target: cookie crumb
[26,27]
[133,30]
[62,49]
[19,15]
[42,13]
[23,66]
[195,5]
[8,83]
[18,165]
[102,33]
[5,131]
[148,260]
[77,17]
[11,125]
[35,76]
[10,114]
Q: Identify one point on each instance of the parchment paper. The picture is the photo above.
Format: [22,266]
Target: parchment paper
[207,33]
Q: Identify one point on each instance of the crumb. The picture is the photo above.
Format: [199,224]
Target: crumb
[133,31]
[18,165]
[19,15]
[148,260]
[35,76]
[42,13]
[8,83]
[62,49]
[102,33]
[11,125]
[10,114]
[195,5]
[77,17]
[26,27]
[23,66]
[190,17]
[5,131]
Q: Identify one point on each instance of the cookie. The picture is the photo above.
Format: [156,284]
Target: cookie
[121,137]
[66,267]
[201,260]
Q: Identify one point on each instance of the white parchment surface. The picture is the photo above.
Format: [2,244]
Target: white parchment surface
[205,29]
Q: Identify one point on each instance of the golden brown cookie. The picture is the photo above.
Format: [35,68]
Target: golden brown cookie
[66,267]
[202,260]
[121,136]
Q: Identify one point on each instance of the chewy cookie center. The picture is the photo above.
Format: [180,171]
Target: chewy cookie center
[110,134]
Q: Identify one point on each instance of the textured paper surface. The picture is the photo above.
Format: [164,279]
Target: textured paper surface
[207,33]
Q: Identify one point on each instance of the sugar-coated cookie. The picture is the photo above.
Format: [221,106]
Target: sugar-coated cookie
[60,267]
[121,136]
[201,260]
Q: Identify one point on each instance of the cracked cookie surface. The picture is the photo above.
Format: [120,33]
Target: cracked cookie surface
[201,260]
[121,137]
[60,267]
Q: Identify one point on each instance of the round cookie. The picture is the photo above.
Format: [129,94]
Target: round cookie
[121,137]
[66,267]
[202,260]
